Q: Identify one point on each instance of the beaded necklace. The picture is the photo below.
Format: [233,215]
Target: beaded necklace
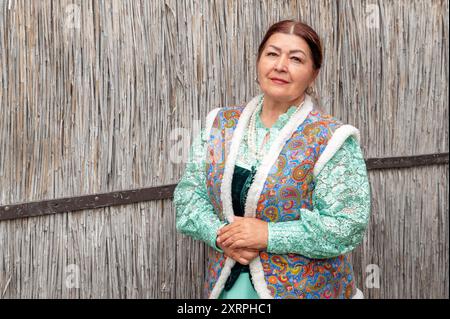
[256,154]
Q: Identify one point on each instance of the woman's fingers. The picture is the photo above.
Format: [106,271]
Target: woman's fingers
[243,255]
[244,232]
[244,261]
[225,237]
[238,243]
[231,227]
[248,254]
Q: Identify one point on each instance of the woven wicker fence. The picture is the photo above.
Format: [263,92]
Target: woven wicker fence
[100,96]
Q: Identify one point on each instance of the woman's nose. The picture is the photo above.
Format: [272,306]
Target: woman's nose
[280,64]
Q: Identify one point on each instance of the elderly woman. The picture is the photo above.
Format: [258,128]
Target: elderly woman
[277,188]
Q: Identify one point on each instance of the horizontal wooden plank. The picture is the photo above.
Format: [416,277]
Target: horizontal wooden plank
[407,161]
[69,204]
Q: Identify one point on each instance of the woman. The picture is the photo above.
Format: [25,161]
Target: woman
[277,188]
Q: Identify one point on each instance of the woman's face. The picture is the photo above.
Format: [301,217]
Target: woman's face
[285,68]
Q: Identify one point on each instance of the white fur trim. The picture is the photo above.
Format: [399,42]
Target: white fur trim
[225,191]
[259,282]
[358,295]
[335,142]
[256,268]
[210,121]
[215,293]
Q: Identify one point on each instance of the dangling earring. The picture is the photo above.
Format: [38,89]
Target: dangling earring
[256,79]
[310,90]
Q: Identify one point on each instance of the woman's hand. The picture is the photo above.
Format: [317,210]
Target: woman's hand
[244,232]
[242,255]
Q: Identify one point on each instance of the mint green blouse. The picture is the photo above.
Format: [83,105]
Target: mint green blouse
[341,200]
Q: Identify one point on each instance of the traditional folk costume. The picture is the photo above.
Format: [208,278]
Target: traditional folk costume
[311,187]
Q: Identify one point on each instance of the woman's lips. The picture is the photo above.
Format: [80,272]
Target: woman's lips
[278,81]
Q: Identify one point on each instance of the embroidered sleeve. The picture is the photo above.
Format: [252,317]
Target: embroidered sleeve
[341,211]
[195,214]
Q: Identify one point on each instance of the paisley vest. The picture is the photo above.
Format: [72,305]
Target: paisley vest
[282,185]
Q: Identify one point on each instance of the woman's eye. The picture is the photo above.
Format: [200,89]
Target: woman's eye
[271,53]
[296,59]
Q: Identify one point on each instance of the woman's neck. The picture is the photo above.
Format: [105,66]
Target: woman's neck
[272,109]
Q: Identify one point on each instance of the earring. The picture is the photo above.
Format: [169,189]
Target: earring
[256,79]
[310,90]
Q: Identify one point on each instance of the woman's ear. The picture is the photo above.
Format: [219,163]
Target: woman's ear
[315,74]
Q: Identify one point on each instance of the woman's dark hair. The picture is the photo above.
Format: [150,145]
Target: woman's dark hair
[300,29]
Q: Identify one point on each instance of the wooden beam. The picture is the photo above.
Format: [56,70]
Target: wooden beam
[125,197]
[407,161]
[93,201]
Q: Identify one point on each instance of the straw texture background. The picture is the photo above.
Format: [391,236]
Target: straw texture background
[97,96]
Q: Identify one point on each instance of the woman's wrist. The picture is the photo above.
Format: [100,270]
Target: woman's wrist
[218,248]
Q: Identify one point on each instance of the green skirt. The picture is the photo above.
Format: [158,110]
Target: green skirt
[242,289]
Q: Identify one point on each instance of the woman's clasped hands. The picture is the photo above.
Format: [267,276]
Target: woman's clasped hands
[243,238]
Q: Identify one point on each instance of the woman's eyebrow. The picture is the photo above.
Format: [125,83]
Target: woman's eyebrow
[292,51]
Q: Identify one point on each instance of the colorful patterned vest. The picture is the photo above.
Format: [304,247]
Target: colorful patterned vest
[289,186]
